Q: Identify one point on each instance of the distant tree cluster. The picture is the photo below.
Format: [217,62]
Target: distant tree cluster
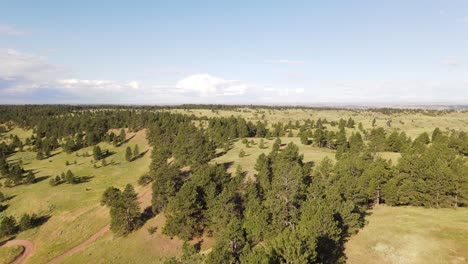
[14,173]
[10,226]
[67,177]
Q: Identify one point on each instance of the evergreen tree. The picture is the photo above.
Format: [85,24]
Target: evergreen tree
[305,139]
[26,222]
[124,209]
[122,135]
[128,154]
[136,151]
[261,145]
[8,226]
[70,177]
[241,153]
[97,153]
[30,178]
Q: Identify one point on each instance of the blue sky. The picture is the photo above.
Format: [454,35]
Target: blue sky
[260,52]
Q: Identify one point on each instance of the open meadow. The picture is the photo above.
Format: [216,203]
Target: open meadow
[411,235]
[72,212]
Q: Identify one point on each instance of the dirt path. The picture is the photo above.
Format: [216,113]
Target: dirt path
[28,248]
[93,238]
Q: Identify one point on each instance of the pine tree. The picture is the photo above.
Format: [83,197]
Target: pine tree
[241,153]
[122,135]
[304,139]
[261,145]
[40,155]
[124,209]
[70,177]
[30,178]
[8,226]
[26,222]
[97,153]
[128,154]
[136,151]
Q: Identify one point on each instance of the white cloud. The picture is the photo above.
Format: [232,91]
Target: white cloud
[33,79]
[285,61]
[23,71]
[450,61]
[134,85]
[208,85]
[299,90]
[10,30]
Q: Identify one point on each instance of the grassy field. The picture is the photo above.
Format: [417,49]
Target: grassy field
[8,254]
[253,151]
[412,124]
[411,235]
[21,133]
[74,210]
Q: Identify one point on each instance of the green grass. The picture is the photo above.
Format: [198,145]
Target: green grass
[74,210]
[411,235]
[21,133]
[138,247]
[412,124]
[9,254]
[248,162]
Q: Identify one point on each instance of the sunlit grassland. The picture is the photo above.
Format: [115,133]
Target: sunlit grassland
[411,235]
[412,124]
[8,254]
[21,133]
[74,210]
[232,159]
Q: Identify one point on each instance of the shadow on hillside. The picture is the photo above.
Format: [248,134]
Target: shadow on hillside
[40,220]
[6,240]
[84,179]
[3,207]
[219,154]
[39,179]
[9,198]
[107,153]
[146,215]
[140,155]
[227,165]
[53,155]
[125,141]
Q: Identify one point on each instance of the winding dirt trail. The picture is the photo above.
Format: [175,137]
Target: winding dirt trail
[91,239]
[27,245]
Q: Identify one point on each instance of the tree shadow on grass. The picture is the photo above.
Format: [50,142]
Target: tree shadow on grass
[83,179]
[107,154]
[53,155]
[40,220]
[6,240]
[3,207]
[39,179]
[9,198]
[146,215]
[125,141]
[228,164]
[140,155]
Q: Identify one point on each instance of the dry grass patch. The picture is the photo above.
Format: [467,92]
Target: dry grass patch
[411,235]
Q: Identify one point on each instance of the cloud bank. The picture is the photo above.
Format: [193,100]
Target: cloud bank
[26,78]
